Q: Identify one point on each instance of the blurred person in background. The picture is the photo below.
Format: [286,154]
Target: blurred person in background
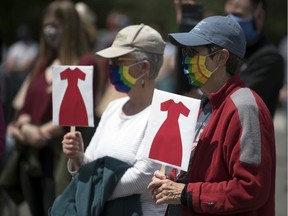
[283,91]
[2,130]
[166,79]
[22,54]
[3,201]
[17,64]
[115,21]
[263,67]
[37,161]
[188,14]
[1,47]
[89,22]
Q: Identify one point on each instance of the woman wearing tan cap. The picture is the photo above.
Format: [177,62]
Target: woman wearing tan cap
[135,56]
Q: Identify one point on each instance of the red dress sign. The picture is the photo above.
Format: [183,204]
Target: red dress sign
[168,136]
[72,95]
[72,109]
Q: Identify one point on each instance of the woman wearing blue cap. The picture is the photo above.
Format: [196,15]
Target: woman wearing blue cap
[232,169]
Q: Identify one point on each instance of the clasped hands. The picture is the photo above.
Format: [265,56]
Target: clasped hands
[165,190]
[27,133]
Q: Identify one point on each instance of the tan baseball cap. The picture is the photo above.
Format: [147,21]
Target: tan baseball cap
[134,37]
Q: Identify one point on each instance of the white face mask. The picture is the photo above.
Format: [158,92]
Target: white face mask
[52,35]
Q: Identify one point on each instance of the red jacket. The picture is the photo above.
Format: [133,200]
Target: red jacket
[233,167]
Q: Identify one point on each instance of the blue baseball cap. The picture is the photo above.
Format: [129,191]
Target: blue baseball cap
[218,30]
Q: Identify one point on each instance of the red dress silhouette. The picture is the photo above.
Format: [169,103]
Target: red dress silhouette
[72,109]
[167,143]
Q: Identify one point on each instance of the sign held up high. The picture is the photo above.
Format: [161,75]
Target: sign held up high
[72,95]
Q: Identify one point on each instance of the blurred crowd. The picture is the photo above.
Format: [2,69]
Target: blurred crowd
[32,165]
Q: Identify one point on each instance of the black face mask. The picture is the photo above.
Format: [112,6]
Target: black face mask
[52,35]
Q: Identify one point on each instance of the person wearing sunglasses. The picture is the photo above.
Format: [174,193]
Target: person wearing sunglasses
[232,169]
[135,58]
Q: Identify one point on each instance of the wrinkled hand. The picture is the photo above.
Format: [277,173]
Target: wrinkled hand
[73,146]
[165,190]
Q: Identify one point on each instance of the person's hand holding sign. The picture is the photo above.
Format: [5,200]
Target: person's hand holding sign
[73,148]
[71,107]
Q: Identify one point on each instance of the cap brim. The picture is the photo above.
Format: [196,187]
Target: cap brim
[114,52]
[187,39]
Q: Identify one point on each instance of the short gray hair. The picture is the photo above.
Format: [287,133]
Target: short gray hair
[156,61]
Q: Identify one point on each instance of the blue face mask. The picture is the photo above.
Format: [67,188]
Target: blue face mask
[247,26]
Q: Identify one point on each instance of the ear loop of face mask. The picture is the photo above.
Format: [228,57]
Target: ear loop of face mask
[121,79]
[126,76]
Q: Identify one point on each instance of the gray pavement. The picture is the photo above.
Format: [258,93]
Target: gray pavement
[280,121]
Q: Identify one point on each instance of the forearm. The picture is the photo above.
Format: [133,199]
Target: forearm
[51,129]
[135,179]
[73,165]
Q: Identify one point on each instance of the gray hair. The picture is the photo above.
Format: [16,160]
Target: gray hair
[156,61]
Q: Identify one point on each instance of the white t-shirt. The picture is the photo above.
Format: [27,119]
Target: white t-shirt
[120,136]
[23,52]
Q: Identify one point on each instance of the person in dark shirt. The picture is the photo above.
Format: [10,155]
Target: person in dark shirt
[263,67]
[2,130]
[42,170]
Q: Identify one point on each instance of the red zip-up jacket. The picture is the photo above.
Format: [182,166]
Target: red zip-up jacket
[233,167]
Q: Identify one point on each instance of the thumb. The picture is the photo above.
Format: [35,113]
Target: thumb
[79,136]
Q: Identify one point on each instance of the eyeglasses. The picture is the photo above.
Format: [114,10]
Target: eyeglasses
[189,51]
[120,61]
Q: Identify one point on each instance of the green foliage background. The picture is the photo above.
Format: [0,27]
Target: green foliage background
[159,12]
